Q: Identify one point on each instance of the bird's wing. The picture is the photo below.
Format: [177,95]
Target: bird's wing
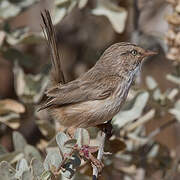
[80,91]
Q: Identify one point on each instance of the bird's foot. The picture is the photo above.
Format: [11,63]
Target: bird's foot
[106,128]
[98,163]
[86,153]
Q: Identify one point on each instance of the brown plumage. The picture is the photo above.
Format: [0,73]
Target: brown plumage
[49,33]
[98,95]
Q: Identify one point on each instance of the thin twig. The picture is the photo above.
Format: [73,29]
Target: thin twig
[100,155]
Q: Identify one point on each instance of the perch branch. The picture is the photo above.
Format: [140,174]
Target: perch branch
[100,155]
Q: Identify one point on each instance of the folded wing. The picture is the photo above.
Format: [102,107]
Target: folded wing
[79,91]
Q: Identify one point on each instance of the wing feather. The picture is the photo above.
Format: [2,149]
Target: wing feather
[77,91]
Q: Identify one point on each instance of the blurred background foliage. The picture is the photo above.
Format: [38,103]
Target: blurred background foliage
[146,141]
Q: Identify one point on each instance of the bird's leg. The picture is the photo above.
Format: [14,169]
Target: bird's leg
[106,128]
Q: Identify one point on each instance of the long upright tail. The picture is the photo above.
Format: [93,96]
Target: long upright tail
[57,75]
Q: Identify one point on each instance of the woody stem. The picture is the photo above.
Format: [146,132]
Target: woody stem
[100,155]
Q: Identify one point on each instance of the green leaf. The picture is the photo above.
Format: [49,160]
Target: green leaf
[37,167]
[23,36]
[46,128]
[11,120]
[82,3]
[157,95]
[11,157]
[59,14]
[46,175]
[31,152]
[173,79]
[18,141]
[151,83]
[7,172]
[116,15]
[60,2]
[30,38]
[61,138]
[3,151]
[68,173]
[24,59]
[127,116]
[30,88]
[70,143]
[26,3]
[21,167]
[82,136]
[26,175]
[71,165]
[10,9]
[176,110]
[53,159]
[154,151]
[10,105]
[75,161]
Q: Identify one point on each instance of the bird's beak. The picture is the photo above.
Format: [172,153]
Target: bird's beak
[149,53]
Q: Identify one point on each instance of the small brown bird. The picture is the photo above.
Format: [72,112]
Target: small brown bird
[98,95]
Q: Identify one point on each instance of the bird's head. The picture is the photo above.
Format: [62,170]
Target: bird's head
[124,56]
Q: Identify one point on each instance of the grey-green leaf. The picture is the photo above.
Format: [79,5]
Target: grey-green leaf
[2,150]
[11,120]
[37,167]
[76,161]
[61,138]
[11,157]
[21,167]
[116,15]
[70,143]
[82,137]
[82,3]
[71,165]
[26,175]
[10,9]
[151,83]
[18,141]
[68,173]
[29,88]
[53,159]
[46,175]
[176,110]
[6,171]
[31,152]
[127,116]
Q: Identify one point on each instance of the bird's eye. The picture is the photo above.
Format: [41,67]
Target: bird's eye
[134,52]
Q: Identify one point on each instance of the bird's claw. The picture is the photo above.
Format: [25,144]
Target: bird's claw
[86,153]
[99,165]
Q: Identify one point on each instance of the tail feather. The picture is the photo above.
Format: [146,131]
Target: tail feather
[57,75]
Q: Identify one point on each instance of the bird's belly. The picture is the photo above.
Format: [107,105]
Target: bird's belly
[91,113]
[86,114]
